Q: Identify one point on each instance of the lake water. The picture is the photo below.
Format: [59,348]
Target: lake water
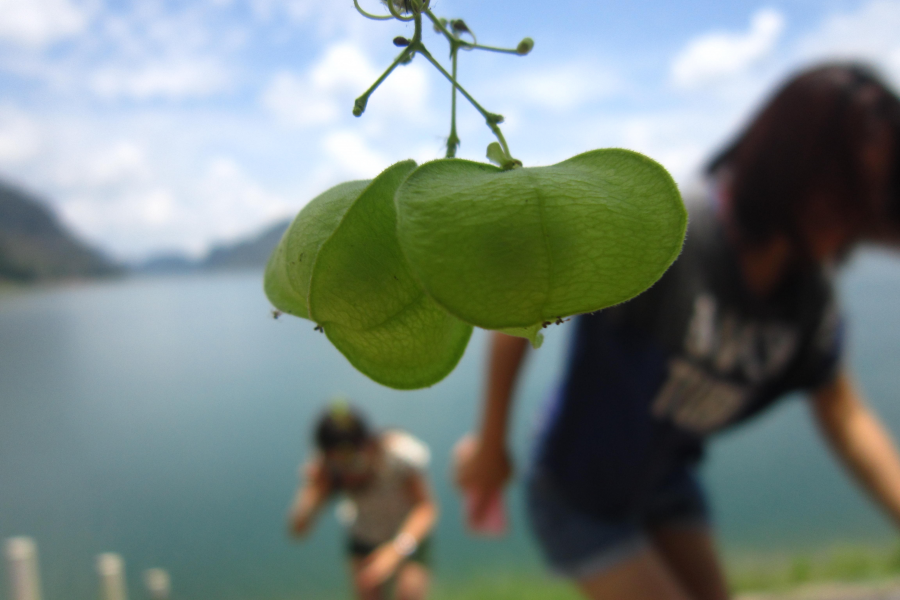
[165,419]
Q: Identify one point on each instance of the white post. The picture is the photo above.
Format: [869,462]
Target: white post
[111,569]
[24,579]
[158,583]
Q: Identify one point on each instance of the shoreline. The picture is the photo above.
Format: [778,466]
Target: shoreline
[508,587]
[837,572]
[834,564]
[881,590]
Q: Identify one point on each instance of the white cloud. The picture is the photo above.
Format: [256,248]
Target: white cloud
[178,79]
[123,163]
[563,87]
[720,55]
[147,214]
[232,203]
[297,10]
[678,140]
[315,97]
[20,137]
[330,85]
[136,50]
[350,151]
[295,102]
[344,66]
[40,22]
[157,208]
[327,18]
[140,215]
[871,33]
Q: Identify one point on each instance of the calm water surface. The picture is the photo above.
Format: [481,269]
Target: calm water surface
[165,419]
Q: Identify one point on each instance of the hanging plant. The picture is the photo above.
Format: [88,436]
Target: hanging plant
[397,270]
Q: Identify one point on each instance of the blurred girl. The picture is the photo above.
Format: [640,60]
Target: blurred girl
[746,315]
[383,475]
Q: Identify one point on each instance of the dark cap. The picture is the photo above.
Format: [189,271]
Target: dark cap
[341,425]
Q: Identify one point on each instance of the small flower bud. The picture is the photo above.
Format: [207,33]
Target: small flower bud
[401,42]
[459,26]
[359,107]
[525,46]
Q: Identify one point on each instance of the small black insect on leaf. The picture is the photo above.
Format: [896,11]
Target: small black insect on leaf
[276,313]
[319,329]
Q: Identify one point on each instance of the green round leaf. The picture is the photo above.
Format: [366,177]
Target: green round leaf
[289,269]
[365,297]
[512,249]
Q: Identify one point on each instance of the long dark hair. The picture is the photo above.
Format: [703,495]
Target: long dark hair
[807,143]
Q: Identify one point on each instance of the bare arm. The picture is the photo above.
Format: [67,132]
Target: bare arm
[424,514]
[309,499]
[384,561]
[490,467]
[860,441]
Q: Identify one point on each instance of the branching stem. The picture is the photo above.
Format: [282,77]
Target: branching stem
[359,106]
[397,15]
[417,47]
[490,118]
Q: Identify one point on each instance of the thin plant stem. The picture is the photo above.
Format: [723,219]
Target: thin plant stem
[490,118]
[359,106]
[453,139]
[369,15]
[468,46]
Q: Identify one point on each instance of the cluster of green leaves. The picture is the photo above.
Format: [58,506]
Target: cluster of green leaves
[396,271]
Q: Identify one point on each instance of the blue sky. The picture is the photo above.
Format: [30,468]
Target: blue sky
[170,126]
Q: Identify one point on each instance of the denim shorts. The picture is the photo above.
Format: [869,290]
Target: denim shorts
[579,545]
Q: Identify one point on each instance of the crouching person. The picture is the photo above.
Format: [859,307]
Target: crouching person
[383,480]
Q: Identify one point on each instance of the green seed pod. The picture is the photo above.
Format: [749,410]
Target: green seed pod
[525,46]
[360,289]
[516,249]
[289,269]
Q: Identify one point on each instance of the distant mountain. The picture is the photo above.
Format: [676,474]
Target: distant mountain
[247,254]
[165,264]
[35,246]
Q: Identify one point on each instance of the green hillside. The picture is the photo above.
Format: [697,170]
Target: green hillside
[34,246]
